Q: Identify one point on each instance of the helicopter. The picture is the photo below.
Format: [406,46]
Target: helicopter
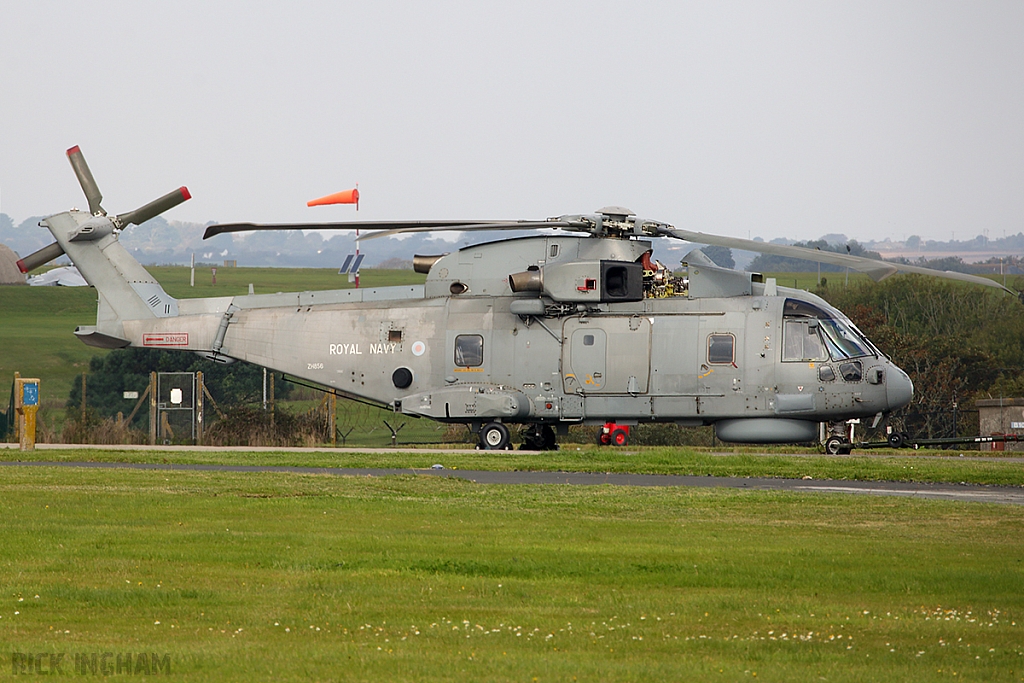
[578,324]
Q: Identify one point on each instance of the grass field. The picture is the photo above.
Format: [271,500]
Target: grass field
[290,577]
[236,281]
[914,466]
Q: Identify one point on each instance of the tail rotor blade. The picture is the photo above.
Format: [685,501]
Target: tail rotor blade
[41,257]
[85,179]
[154,208]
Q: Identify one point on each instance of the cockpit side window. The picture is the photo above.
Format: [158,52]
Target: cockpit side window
[842,341]
[841,337]
[852,371]
[801,342]
[469,350]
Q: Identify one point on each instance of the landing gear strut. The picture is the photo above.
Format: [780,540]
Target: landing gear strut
[837,442]
[539,438]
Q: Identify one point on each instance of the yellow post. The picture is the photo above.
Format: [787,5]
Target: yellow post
[26,392]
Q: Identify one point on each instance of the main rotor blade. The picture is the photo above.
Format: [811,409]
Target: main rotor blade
[85,179]
[473,227]
[876,270]
[155,207]
[220,228]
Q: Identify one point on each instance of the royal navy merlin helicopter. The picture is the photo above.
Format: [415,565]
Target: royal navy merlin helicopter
[582,325]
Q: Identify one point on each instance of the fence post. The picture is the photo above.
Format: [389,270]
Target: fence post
[152,409]
[14,408]
[199,407]
[333,421]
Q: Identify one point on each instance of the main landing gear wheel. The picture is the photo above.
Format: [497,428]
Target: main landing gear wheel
[494,437]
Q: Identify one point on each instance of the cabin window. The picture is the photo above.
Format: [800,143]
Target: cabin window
[800,341]
[469,350]
[721,348]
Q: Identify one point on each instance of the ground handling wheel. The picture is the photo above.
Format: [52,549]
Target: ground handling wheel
[613,434]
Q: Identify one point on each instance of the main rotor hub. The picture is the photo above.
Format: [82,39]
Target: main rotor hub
[612,221]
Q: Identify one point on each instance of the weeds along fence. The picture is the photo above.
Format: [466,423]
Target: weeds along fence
[312,418]
[308,418]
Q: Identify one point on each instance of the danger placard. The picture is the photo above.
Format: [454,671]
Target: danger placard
[167,339]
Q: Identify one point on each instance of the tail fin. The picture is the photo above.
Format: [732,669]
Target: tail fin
[126,290]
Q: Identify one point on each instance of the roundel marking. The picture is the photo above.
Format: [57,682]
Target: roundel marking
[418,348]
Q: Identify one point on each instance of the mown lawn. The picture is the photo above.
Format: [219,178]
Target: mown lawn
[909,466]
[292,577]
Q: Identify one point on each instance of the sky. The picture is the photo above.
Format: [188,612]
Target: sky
[747,119]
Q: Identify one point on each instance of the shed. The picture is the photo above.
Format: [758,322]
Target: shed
[1001,416]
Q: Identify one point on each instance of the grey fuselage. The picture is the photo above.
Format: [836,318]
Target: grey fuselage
[583,342]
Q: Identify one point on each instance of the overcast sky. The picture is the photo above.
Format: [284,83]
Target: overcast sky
[768,119]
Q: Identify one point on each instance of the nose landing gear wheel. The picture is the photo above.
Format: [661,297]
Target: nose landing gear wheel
[494,437]
[836,446]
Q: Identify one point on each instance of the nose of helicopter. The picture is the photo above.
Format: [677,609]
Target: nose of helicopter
[899,390]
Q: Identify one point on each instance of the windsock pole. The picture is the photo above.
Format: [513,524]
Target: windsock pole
[343,197]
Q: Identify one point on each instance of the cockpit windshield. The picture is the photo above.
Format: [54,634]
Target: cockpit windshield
[839,335]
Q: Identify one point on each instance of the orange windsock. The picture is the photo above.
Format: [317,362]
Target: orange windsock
[343,197]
